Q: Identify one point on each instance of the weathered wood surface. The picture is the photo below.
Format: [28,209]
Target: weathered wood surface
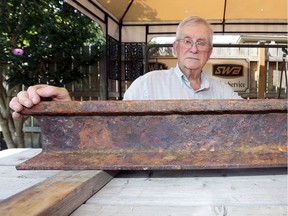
[58,195]
[179,193]
[153,135]
[192,193]
[12,157]
[13,181]
[44,192]
[217,210]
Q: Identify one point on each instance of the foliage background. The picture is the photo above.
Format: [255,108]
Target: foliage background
[47,31]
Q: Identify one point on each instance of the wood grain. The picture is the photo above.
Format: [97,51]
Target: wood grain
[59,195]
[216,192]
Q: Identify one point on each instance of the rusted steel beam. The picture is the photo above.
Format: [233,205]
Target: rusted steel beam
[182,134]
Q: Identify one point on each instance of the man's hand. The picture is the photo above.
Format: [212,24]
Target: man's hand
[33,96]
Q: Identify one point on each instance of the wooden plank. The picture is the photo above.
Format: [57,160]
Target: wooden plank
[194,190]
[12,157]
[59,195]
[185,192]
[237,192]
[217,210]
[262,74]
[14,181]
[253,82]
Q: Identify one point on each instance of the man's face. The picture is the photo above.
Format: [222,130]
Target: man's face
[193,57]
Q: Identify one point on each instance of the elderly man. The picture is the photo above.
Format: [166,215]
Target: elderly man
[192,47]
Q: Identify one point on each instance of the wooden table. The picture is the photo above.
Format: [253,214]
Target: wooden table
[138,193]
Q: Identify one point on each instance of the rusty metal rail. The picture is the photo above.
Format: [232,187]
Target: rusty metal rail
[182,134]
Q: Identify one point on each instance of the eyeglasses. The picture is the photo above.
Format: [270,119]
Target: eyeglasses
[200,45]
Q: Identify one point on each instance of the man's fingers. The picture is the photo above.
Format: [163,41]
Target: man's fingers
[32,91]
[24,99]
[56,93]
[15,105]
[33,96]
[16,115]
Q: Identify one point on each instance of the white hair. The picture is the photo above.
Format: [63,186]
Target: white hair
[194,20]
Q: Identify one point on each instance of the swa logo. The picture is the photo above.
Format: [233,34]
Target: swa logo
[228,70]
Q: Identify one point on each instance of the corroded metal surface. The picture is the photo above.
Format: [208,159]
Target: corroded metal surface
[188,134]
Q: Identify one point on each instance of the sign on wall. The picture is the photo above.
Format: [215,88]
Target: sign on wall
[234,72]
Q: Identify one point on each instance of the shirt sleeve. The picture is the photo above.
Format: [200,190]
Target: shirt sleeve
[137,90]
[229,93]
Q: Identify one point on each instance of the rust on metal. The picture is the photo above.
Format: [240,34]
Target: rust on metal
[172,134]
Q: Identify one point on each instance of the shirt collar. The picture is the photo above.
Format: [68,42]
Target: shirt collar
[179,73]
[183,79]
[205,84]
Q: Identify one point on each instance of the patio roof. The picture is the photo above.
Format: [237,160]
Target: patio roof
[226,16]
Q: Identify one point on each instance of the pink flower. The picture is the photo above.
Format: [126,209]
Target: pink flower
[17,51]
